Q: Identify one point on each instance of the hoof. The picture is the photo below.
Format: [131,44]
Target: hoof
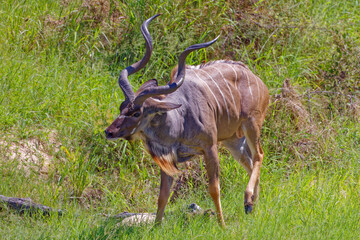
[248,209]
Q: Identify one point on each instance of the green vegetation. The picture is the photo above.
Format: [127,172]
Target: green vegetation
[59,63]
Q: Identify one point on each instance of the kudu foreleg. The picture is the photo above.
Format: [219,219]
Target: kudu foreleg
[165,186]
[212,167]
[252,133]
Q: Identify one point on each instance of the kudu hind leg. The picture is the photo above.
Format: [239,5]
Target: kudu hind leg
[252,133]
[212,168]
[241,152]
[165,185]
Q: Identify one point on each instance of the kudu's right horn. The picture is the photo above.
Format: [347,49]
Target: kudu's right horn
[179,79]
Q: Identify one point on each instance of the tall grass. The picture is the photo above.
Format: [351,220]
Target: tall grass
[58,87]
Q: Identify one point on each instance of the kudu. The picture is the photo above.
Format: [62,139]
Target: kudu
[220,101]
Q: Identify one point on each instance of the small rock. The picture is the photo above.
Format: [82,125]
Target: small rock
[194,208]
[142,218]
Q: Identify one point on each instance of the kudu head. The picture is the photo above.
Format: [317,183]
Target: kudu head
[132,109]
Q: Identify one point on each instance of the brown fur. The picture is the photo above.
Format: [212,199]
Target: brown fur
[169,167]
[222,61]
[173,72]
[203,65]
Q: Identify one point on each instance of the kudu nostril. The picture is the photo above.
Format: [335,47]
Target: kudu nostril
[108,134]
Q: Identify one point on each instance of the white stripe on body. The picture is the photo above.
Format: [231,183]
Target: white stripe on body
[236,77]
[247,77]
[227,84]
[257,83]
[227,110]
[208,88]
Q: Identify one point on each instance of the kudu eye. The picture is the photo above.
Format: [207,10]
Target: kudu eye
[137,114]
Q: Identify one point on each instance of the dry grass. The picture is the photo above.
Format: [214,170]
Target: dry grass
[190,178]
[303,120]
[102,12]
[291,102]
[95,13]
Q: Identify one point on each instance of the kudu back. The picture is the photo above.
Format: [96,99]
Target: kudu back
[201,106]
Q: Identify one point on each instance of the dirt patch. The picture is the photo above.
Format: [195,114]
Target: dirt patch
[31,154]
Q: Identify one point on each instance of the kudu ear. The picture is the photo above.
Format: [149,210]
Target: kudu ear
[145,85]
[156,106]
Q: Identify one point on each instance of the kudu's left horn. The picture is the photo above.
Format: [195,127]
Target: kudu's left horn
[123,79]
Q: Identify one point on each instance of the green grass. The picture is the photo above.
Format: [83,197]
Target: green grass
[59,63]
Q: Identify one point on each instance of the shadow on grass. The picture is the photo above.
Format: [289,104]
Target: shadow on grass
[114,229]
[173,224]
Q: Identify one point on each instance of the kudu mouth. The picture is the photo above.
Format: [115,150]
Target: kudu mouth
[116,130]
[110,136]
